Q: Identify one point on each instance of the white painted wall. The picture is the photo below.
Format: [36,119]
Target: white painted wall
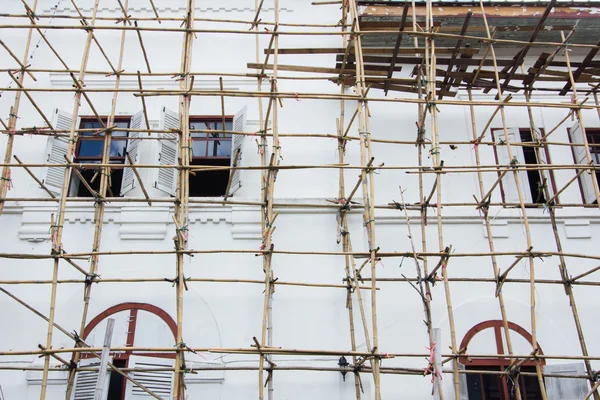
[229,316]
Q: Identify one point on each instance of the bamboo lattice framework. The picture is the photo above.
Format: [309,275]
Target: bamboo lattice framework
[443,77]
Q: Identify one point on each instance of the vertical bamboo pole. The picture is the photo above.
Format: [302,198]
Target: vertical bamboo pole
[522,206]
[63,201]
[5,180]
[343,216]
[488,228]
[430,65]
[266,336]
[100,207]
[368,186]
[182,194]
[557,240]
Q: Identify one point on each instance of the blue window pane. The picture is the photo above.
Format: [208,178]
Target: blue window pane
[219,148]
[118,148]
[90,148]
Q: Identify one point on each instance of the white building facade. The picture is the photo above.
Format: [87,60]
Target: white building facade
[224,299]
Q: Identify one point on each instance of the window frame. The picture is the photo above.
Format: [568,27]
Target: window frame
[521,148]
[211,118]
[498,362]
[596,132]
[81,138]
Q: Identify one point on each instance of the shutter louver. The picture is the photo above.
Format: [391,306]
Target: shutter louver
[133,142]
[159,382]
[85,381]
[586,180]
[509,185]
[166,178]
[239,125]
[54,177]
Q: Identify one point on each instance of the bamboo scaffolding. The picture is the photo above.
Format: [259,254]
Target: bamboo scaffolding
[361,65]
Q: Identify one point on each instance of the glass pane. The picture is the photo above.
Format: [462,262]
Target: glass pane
[90,125]
[118,148]
[90,148]
[121,124]
[219,148]
[199,148]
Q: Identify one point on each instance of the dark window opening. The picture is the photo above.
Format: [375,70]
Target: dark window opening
[535,177]
[537,180]
[116,385]
[500,387]
[89,149]
[210,149]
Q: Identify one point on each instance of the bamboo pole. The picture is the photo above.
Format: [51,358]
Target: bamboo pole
[12,123]
[62,203]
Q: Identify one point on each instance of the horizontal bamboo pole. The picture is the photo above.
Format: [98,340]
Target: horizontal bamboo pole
[333,32]
[544,254]
[299,96]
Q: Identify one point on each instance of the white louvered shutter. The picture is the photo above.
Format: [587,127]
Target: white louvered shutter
[54,177]
[159,382]
[566,388]
[509,186]
[586,180]
[239,125]
[166,178]
[85,381]
[133,143]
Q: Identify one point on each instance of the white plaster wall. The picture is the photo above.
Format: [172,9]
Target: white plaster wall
[229,315]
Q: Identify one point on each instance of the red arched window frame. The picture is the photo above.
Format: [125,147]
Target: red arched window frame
[504,390]
[133,309]
[497,326]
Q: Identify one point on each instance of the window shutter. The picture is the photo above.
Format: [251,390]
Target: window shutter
[85,381]
[133,142]
[565,388]
[159,382]
[509,186]
[166,178]
[586,180]
[54,177]
[239,125]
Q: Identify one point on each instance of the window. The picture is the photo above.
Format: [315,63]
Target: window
[532,181]
[483,386]
[88,150]
[586,184]
[90,146]
[210,148]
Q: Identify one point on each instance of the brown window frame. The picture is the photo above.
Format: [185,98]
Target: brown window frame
[81,138]
[210,118]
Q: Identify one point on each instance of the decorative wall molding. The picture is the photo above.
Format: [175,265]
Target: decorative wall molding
[118,10]
[34,378]
[578,228]
[63,80]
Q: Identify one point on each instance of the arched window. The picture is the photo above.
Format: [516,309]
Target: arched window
[489,338]
[139,325]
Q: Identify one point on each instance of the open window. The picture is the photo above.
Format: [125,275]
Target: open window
[88,150]
[531,181]
[576,136]
[212,144]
